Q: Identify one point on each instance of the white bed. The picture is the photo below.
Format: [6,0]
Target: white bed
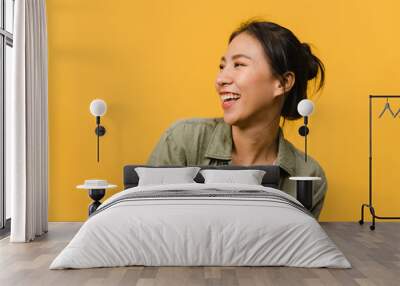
[252,225]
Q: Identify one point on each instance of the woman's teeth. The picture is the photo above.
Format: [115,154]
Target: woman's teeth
[230,96]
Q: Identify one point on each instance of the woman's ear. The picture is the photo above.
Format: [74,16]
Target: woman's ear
[286,85]
[289,78]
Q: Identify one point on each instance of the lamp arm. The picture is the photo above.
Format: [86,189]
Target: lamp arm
[98,146]
[98,136]
[305,138]
[305,147]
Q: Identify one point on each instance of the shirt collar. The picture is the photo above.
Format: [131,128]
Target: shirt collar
[220,147]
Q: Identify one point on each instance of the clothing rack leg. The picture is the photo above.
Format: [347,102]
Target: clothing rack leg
[361,221]
[371,208]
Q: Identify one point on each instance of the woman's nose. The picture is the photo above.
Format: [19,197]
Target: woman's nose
[223,79]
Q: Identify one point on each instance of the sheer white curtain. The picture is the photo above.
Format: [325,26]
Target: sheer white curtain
[26,124]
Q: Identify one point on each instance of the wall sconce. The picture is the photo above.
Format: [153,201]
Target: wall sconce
[304,185]
[305,108]
[98,108]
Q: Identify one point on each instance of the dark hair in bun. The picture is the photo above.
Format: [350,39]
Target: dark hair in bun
[286,53]
[314,64]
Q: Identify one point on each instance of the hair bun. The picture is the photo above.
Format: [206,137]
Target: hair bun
[312,62]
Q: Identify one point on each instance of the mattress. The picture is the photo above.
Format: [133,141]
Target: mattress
[201,225]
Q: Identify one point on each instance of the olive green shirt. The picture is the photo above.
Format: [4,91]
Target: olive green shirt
[208,141]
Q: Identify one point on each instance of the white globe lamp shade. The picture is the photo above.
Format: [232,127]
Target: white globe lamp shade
[305,107]
[98,107]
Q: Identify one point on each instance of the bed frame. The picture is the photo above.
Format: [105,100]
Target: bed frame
[270,179]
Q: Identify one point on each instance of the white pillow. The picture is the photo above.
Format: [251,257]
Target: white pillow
[162,176]
[249,177]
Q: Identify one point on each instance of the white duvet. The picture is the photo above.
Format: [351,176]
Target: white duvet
[183,231]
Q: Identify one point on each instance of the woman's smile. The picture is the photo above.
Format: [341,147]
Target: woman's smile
[228,99]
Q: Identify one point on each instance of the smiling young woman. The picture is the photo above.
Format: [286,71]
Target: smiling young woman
[263,75]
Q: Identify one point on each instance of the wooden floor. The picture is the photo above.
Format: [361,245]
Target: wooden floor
[374,255]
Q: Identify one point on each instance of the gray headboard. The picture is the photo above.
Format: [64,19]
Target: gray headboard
[270,179]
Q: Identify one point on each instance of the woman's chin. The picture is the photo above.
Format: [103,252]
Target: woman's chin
[238,120]
[230,119]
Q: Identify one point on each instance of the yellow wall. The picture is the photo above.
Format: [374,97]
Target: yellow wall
[154,62]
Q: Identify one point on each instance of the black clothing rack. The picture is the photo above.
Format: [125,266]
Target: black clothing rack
[371,208]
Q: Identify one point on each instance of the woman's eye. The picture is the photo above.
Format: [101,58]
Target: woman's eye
[235,65]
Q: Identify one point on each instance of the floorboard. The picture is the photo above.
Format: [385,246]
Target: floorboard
[374,255]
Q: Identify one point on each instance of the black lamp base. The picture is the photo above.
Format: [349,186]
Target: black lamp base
[305,193]
[96,195]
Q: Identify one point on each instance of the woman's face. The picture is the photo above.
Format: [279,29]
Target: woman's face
[246,75]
